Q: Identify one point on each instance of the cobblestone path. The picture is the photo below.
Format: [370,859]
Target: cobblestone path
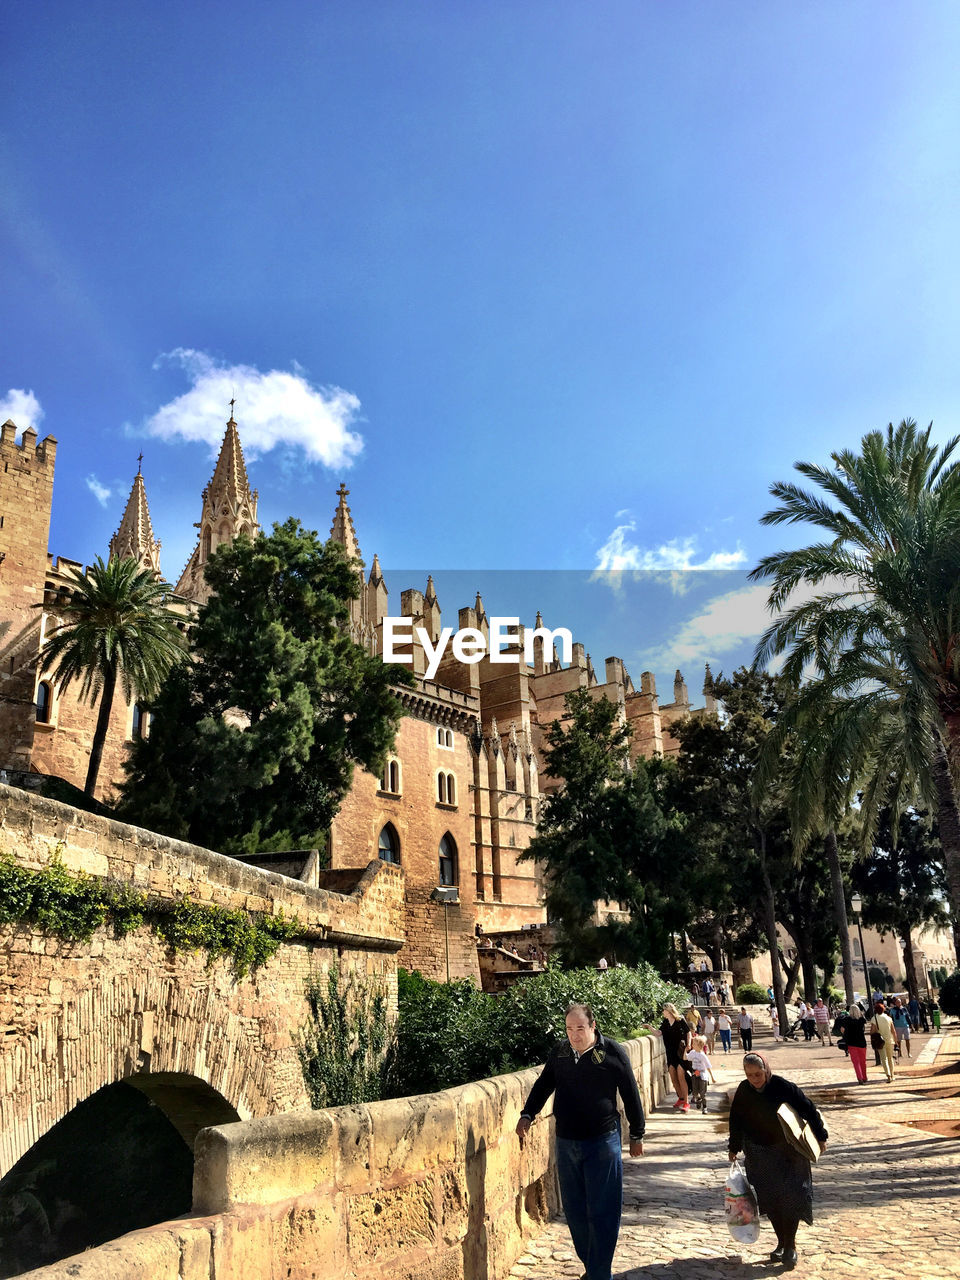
[886,1194]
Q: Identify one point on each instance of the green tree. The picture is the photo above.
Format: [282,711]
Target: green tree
[902,882]
[116,629]
[607,834]
[882,593]
[742,827]
[253,745]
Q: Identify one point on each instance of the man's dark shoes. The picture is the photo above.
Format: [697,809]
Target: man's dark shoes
[777,1255]
[789,1259]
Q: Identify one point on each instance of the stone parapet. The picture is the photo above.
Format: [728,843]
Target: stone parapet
[428,1188]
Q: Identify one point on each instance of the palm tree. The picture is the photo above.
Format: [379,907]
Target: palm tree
[883,616]
[116,627]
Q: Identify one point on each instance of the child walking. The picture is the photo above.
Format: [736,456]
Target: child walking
[702,1070]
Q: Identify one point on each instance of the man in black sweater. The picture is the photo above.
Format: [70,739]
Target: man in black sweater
[587,1073]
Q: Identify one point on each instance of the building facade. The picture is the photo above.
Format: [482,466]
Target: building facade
[457,804]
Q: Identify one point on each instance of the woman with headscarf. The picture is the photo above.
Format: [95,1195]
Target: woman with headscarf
[676,1035]
[780,1174]
[855,1037]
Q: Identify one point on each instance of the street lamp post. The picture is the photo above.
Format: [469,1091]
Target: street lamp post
[856,903]
[446,894]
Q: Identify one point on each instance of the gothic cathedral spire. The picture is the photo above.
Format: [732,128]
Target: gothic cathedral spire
[229,509]
[135,536]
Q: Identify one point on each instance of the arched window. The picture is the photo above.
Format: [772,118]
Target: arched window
[138,721]
[389,845]
[445,739]
[448,860]
[442,788]
[206,543]
[390,782]
[44,702]
[446,788]
[451,789]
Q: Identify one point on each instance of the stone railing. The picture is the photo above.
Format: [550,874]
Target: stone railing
[433,1187]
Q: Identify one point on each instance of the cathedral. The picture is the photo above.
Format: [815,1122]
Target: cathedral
[457,803]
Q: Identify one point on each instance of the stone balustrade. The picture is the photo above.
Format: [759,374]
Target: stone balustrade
[427,1188]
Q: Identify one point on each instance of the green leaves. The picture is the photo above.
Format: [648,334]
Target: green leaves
[253,745]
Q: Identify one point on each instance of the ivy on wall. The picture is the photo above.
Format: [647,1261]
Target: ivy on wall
[74,905]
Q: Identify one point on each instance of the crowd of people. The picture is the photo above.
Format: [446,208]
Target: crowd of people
[589,1071]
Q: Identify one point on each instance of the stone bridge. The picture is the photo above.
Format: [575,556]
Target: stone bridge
[205,1046]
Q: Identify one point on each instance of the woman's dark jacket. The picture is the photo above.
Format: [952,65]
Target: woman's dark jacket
[586,1090]
[674,1035]
[855,1032]
[753,1114]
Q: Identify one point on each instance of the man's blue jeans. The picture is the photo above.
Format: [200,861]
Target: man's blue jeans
[591,1188]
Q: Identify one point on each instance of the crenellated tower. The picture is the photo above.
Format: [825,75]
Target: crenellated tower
[134,537]
[229,509]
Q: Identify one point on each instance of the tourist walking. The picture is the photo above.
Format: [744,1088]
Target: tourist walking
[855,1038]
[675,1033]
[710,1030]
[779,1174]
[775,1022]
[821,1021]
[725,1027]
[882,1026]
[809,1022]
[745,1028]
[901,1025]
[586,1073]
[702,1069]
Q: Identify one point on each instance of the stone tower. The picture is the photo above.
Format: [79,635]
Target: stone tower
[135,535]
[368,609]
[26,494]
[229,509]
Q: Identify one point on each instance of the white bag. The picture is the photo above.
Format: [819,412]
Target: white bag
[740,1206]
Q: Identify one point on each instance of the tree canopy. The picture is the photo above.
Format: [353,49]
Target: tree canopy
[254,741]
[117,627]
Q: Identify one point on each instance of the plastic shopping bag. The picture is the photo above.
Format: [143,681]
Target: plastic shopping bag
[740,1206]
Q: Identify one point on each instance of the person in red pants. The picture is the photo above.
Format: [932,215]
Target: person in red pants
[855,1037]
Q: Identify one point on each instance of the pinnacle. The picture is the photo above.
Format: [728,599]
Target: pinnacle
[135,537]
[342,529]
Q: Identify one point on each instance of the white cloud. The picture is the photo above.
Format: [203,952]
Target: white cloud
[724,625]
[21,407]
[99,491]
[278,409]
[620,554]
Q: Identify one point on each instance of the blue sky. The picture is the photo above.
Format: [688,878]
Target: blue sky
[551,286]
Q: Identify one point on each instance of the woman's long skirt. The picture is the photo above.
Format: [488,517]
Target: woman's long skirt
[784,1187]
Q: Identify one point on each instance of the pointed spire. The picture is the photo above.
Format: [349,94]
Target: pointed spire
[376,573]
[481,612]
[135,534]
[707,679]
[539,622]
[494,736]
[342,529]
[680,695]
[431,595]
[230,474]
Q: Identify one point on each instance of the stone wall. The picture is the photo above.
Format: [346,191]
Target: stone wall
[75,1016]
[427,1188]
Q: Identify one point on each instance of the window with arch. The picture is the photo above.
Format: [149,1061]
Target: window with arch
[138,722]
[446,788]
[445,739]
[223,534]
[44,702]
[390,782]
[389,845]
[448,860]
[206,543]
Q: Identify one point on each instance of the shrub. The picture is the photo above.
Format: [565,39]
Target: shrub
[949,999]
[752,993]
[346,1044]
[451,1033]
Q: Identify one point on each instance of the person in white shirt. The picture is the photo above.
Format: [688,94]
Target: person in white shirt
[702,1071]
[745,1027]
[710,1030]
[775,1022]
[724,1026]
